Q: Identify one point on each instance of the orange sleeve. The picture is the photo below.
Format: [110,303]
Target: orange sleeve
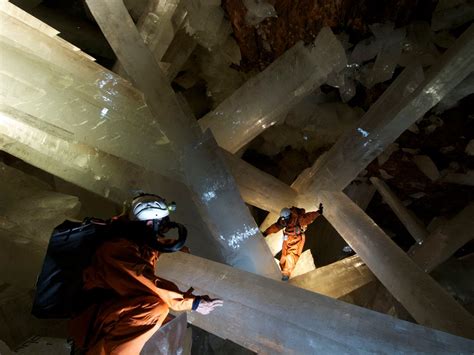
[275,227]
[308,218]
[123,269]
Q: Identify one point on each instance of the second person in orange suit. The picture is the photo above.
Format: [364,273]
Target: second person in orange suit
[294,222]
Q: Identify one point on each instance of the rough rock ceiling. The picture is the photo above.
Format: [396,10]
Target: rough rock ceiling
[302,20]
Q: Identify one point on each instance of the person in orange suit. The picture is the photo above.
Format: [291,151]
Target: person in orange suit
[130,302]
[294,222]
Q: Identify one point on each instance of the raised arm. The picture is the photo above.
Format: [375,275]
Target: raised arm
[308,218]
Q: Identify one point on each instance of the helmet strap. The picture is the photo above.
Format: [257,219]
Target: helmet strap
[156,226]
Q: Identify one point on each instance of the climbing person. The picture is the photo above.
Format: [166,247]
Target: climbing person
[123,302]
[294,222]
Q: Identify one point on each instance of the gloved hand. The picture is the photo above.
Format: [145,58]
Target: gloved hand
[207,305]
[320,208]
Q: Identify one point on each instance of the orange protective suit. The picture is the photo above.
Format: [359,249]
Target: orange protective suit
[293,236]
[138,305]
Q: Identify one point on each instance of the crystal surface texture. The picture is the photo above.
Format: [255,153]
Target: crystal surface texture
[318,324]
[257,104]
[208,178]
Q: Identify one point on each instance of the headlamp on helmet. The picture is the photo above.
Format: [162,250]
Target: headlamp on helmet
[285,213]
[150,207]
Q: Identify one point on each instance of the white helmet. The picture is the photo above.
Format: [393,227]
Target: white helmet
[148,207]
[285,213]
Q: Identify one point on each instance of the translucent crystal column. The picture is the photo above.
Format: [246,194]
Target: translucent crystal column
[408,219]
[257,104]
[46,80]
[228,219]
[178,53]
[158,26]
[445,240]
[91,107]
[404,102]
[212,185]
[169,339]
[463,89]
[442,243]
[426,301]
[51,150]
[270,317]
[94,105]
[337,279]
[258,188]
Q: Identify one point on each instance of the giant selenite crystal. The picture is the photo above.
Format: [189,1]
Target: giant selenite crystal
[269,317]
[206,22]
[178,53]
[418,47]
[43,78]
[258,10]
[158,26]
[51,150]
[257,104]
[465,88]
[170,338]
[426,301]
[388,56]
[445,240]
[212,185]
[257,187]
[76,113]
[337,279]
[215,191]
[408,219]
[404,102]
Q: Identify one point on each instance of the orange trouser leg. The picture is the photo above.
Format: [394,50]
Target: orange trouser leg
[126,325]
[289,257]
[288,263]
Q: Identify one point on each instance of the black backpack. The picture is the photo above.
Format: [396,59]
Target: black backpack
[59,288]
[59,292]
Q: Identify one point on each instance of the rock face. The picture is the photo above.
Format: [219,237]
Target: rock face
[297,20]
[17,324]
[29,210]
